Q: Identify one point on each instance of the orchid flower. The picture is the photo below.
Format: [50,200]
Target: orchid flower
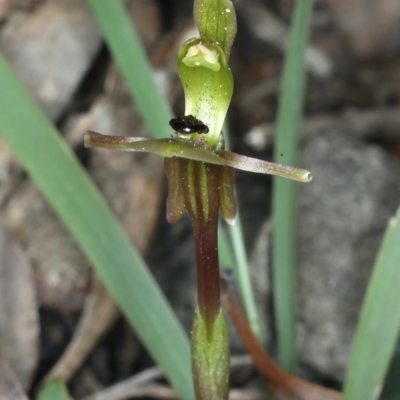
[201,178]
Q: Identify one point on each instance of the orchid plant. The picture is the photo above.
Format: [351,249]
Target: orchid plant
[201,178]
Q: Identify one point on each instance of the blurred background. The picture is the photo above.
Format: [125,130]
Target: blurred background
[350,142]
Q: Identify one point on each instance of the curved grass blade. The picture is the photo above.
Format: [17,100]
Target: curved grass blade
[241,267]
[125,46]
[379,325]
[57,173]
[284,202]
[54,390]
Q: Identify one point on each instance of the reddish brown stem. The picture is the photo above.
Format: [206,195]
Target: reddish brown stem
[283,385]
[203,207]
[208,292]
[200,188]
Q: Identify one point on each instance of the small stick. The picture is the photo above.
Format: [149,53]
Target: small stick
[140,385]
[129,387]
[99,314]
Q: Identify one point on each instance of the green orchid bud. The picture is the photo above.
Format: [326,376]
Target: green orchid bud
[208,85]
[216,22]
[210,359]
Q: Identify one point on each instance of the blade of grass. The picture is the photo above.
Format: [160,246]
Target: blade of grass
[57,173]
[241,265]
[226,260]
[285,192]
[234,256]
[54,390]
[379,325]
[242,274]
[125,46]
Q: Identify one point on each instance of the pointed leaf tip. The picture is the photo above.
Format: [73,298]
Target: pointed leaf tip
[250,164]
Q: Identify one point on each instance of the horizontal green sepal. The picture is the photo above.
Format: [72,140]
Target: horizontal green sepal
[175,147]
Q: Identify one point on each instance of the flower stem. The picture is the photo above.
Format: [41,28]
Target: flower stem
[208,291]
[200,181]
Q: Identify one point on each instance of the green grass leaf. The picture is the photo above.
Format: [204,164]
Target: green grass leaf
[57,173]
[379,325]
[54,390]
[237,252]
[284,202]
[125,46]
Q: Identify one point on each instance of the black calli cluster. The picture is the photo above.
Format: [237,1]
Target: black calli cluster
[188,124]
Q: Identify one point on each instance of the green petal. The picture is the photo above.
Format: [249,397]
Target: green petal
[208,85]
[226,192]
[176,206]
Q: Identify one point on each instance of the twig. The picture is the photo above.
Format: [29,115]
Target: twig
[382,122]
[99,314]
[158,391]
[125,392]
[129,387]
[139,385]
